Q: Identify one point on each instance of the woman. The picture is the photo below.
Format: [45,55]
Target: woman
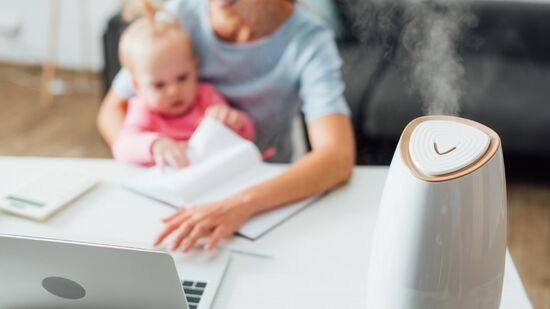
[262,55]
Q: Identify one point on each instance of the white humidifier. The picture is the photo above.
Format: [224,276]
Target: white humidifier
[440,237]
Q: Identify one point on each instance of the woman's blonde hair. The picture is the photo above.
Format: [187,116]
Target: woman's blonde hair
[149,22]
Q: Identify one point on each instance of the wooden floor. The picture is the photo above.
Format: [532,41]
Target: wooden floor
[68,129]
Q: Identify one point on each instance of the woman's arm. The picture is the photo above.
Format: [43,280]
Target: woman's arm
[110,117]
[329,164]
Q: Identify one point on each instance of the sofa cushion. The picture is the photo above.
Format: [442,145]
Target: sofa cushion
[511,29]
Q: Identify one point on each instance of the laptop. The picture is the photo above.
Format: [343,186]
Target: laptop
[47,273]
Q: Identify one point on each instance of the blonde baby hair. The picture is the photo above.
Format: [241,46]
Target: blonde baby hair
[149,23]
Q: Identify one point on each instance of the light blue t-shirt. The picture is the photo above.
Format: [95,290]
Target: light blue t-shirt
[266,78]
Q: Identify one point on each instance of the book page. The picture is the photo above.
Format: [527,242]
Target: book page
[183,187]
[212,139]
[216,154]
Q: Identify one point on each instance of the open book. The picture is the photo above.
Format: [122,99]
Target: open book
[222,163]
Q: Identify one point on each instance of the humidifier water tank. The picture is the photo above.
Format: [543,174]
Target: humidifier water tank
[440,235]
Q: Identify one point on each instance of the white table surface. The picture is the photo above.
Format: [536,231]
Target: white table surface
[320,256]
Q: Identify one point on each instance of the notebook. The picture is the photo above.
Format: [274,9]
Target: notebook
[222,163]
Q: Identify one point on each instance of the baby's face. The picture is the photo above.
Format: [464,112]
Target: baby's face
[165,74]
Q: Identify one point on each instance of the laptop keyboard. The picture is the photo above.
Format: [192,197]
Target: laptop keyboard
[193,292]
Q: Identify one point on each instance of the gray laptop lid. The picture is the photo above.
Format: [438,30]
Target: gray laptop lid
[43,273]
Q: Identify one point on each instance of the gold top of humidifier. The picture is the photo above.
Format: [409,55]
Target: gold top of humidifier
[442,148]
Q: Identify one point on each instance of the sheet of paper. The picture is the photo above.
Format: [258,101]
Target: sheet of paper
[264,222]
[212,139]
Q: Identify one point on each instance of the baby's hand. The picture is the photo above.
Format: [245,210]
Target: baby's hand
[168,152]
[231,117]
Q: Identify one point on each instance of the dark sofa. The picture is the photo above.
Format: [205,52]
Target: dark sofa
[506,56]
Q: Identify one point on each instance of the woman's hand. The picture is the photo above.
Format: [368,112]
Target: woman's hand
[232,118]
[168,152]
[215,220]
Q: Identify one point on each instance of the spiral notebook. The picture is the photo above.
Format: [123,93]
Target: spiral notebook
[222,163]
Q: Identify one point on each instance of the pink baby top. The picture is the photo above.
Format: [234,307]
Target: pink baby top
[142,126]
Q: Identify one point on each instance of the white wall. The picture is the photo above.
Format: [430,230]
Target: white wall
[30,46]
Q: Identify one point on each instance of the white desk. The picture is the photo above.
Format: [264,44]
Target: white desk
[320,255]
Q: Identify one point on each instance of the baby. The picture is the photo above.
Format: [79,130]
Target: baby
[169,103]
